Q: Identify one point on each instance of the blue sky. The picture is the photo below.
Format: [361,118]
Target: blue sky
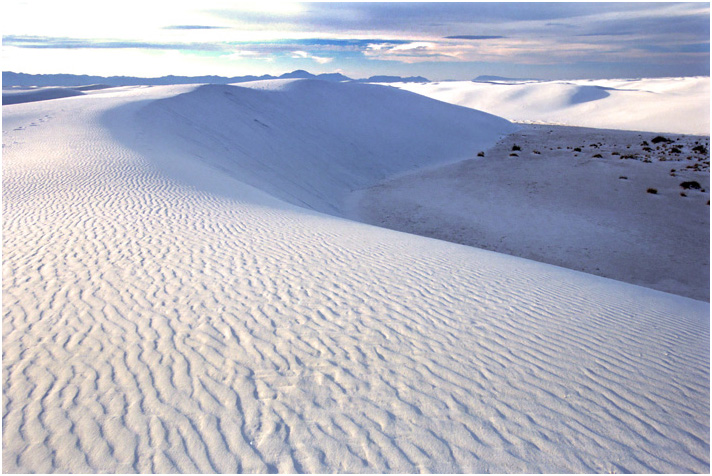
[436,40]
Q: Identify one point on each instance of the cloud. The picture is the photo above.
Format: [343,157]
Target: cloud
[356,34]
[194,27]
[473,37]
[305,55]
[240,55]
[43,42]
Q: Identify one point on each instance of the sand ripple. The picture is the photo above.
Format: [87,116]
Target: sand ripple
[151,326]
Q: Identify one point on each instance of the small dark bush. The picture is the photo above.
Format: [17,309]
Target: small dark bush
[691,184]
[480,154]
[513,155]
[516,147]
[658,139]
[683,194]
[615,153]
[645,142]
[536,152]
[701,149]
[652,190]
[623,177]
[577,149]
[675,150]
[598,156]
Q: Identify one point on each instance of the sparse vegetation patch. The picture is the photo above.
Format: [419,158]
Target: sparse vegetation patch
[691,184]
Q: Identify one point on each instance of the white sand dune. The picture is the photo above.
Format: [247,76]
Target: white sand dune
[160,314]
[676,105]
[312,142]
[22,95]
[37,94]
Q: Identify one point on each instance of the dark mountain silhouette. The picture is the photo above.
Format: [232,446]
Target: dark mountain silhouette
[10,79]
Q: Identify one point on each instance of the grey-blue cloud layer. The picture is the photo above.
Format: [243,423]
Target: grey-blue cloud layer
[444,19]
[315,44]
[71,43]
[656,28]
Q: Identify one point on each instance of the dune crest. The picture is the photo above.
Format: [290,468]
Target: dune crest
[311,142]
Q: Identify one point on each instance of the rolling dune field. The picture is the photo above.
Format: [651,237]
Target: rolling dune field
[182,294]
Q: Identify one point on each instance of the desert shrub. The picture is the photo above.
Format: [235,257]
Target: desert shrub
[577,149]
[675,150]
[536,152]
[701,149]
[652,190]
[480,154]
[598,156]
[516,147]
[615,153]
[691,184]
[623,177]
[513,155]
[683,194]
[658,139]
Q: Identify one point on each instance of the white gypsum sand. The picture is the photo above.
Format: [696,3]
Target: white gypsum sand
[161,315]
[674,105]
[572,197]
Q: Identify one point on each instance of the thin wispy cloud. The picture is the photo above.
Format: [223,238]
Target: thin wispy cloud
[76,43]
[473,37]
[193,27]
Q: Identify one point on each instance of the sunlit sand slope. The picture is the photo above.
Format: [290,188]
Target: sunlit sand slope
[159,315]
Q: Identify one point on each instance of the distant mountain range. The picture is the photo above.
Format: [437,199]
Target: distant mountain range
[488,79]
[10,78]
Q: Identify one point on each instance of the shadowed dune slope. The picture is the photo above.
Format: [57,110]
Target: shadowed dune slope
[40,94]
[312,142]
